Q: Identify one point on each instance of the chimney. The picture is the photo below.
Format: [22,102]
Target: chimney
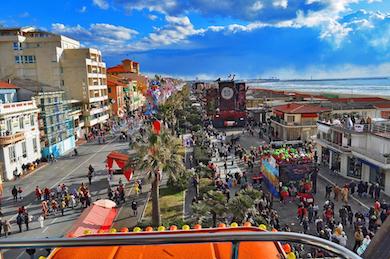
[127,64]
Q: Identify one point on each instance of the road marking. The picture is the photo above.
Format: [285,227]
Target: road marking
[350,196]
[20,255]
[46,228]
[54,220]
[71,172]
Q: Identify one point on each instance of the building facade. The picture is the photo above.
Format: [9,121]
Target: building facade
[295,121]
[19,138]
[357,150]
[60,62]
[55,124]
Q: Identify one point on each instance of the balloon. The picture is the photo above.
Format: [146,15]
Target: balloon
[124,230]
[161,228]
[173,227]
[221,225]
[137,229]
[101,231]
[185,227]
[263,227]
[198,226]
[87,232]
[274,230]
[112,231]
[149,229]
[234,225]
[286,248]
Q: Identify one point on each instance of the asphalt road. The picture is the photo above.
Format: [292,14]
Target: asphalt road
[70,170]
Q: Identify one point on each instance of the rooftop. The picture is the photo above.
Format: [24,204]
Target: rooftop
[5,85]
[298,108]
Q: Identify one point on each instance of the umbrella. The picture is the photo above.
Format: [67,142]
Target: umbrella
[108,204]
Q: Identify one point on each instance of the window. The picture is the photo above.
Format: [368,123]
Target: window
[35,146]
[32,122]
[290,118]
[21,122]
[49,100]
[12,154]
[56,99]
[31,59]
[9,125]
[24,149]
[17,46]
[62,83]
[18,59]
[109,90]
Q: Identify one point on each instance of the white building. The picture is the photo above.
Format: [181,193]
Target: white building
[19,137]
[359,151]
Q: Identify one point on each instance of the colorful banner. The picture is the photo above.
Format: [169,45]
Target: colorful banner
[271,177]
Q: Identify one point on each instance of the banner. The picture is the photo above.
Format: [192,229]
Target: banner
[227,96]
[271,177]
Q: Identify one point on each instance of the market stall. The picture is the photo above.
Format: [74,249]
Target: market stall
[121,161]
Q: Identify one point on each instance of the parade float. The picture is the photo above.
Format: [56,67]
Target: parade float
[289,166]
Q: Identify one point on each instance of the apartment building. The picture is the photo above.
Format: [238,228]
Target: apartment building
[116,95]
[19,137]
[58,61]
[356,147]
[295,121]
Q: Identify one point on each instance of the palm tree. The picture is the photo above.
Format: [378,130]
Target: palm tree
[214,204]
[158,156]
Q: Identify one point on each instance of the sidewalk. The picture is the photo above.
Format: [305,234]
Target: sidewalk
[338,179]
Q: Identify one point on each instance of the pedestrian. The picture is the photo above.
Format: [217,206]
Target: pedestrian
[305,224]
[15,193]
[310,213]
[336,191]
[1,225]
[134,206]
[19,221]
[377,191]
[26,220]
[344,194]
[328,190]
[62,207]
[7,228]
[38,193]
[90,177]
[360,189]
[41,218]
[358,238]
[343,239]
[371,190]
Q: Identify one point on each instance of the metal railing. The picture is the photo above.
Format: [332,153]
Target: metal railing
[185,238]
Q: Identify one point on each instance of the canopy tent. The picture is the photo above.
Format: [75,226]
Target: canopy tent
[93,219]
[121,160]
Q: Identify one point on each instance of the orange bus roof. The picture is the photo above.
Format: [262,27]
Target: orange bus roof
[246,250]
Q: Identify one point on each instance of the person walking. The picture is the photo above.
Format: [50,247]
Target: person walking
[336,191]
[19,221]
[41,218]
[1,225]
[358,238]
[134,206]
[328,190]
[15,193]
[7,228]
[20,191]
[26,220]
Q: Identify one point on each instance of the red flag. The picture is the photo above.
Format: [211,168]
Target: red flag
[128,174]
[157,126]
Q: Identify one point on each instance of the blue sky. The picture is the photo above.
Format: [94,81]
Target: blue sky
[213,38]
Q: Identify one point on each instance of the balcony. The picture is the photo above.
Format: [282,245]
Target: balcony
[18,107]
[95,110]
[90,123]
[337,125]
[98,99]
[284,123]
[329,144]
[10,139]
[382,160]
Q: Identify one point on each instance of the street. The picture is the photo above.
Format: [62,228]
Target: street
[71,170]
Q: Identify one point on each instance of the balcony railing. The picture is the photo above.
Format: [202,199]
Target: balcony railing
[10,139]
[186,238]
[382,158]
[294,124]
[356,128]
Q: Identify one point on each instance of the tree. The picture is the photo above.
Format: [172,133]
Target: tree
[158,156]
[213,205]
[244,204]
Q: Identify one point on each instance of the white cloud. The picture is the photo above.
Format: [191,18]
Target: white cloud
[280,3]
[152,17]
[100,35]
[24,15]
[102,4]
[257,6]
[83,9]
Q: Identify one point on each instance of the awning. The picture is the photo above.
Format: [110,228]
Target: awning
[93,219]
[121,160]
[309,115]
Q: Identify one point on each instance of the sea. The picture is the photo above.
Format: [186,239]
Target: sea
[379,87]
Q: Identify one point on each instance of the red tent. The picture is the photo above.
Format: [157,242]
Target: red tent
[93,218]
[121,160]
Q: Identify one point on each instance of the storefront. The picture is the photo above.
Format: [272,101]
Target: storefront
[376,174]
[354,168]
[335,160]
